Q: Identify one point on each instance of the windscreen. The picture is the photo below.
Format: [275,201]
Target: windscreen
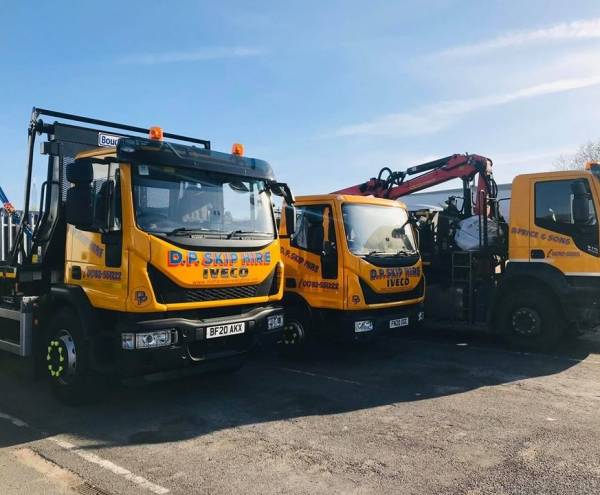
[377,229]
[171,200]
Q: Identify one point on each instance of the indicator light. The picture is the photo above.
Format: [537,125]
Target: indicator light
[237,149]
[156,133]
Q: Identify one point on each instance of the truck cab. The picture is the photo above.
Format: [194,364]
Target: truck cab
[352,268]
[149,255]
[551,282]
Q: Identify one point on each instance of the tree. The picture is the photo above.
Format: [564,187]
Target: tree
[588,152]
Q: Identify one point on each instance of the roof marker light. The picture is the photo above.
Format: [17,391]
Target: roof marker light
[237,149]
[156,133]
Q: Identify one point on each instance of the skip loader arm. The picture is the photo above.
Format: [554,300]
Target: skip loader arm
[393,184]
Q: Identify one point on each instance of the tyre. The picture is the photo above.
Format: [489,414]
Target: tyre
[295,338]
[67,359]
[529,320]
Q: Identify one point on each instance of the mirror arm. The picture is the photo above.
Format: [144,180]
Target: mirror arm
[283,190]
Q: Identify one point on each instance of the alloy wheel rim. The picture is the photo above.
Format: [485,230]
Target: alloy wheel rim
[61,357]
[526,322]
[293,333]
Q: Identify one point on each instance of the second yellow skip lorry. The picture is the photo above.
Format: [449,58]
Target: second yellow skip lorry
[352,269]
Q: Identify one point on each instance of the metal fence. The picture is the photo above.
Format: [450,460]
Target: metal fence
[8,232]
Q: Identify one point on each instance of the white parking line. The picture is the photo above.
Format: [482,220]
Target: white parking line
[13,420]
[110,466]
[318,375]
[95,459]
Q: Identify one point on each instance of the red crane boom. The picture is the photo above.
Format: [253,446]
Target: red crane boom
[394,185]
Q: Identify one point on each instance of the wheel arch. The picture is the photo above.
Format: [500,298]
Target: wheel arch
[536,276]
[293,300]
[67,297]
[59,298]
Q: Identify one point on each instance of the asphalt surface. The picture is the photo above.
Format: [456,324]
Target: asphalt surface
[424,413]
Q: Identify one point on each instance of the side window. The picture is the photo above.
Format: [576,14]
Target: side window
[314,227]
[309,228]
[556,205]
[567,207]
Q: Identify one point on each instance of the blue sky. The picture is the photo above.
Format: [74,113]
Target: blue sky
[328,92]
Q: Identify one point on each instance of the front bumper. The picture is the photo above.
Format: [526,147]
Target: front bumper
[342,324]
[190,347]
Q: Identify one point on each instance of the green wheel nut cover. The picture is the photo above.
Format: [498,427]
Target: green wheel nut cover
[53,345]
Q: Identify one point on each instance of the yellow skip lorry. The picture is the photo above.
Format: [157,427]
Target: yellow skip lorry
[147,255]
[352,269]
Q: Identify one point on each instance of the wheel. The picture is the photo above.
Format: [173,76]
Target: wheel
[295,337]
[66,359]
[529,320]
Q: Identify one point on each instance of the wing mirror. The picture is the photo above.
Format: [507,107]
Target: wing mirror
[282,190]
[581,202]
[290,218]
[86,208]
[328,248]
[397,233]
[79,208]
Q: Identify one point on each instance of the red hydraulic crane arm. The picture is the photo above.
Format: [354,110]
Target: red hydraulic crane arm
[394,185]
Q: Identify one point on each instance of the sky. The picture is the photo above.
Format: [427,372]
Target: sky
[327,91]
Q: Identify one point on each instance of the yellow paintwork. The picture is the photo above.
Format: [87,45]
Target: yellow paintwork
[128,288]
[343,293]
[524,235]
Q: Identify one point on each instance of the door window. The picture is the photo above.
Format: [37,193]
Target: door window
[567,207]
[309,234]
[315,232]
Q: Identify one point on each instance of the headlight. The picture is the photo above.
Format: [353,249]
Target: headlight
[363,326]
[275,321]
[148,340]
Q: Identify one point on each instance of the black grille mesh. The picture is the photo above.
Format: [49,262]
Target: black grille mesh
[168,292]
[372,297]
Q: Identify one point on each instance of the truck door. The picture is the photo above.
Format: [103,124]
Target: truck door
[565,225]
[314,260]
[93,256]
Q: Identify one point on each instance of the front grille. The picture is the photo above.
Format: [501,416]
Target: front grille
[372,297]
[168,292]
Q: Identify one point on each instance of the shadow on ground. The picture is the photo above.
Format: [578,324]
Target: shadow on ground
[413,367]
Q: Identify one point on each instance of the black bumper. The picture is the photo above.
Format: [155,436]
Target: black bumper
[191,347]
[341,324]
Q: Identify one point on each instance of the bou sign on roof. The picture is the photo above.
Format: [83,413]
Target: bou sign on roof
[107,140]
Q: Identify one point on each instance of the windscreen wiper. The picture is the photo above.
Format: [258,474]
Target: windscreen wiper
[376,252]
[405,252]
[401,252]
[187,230]
[247,232]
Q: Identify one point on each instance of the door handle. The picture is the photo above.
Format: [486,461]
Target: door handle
[537,254]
